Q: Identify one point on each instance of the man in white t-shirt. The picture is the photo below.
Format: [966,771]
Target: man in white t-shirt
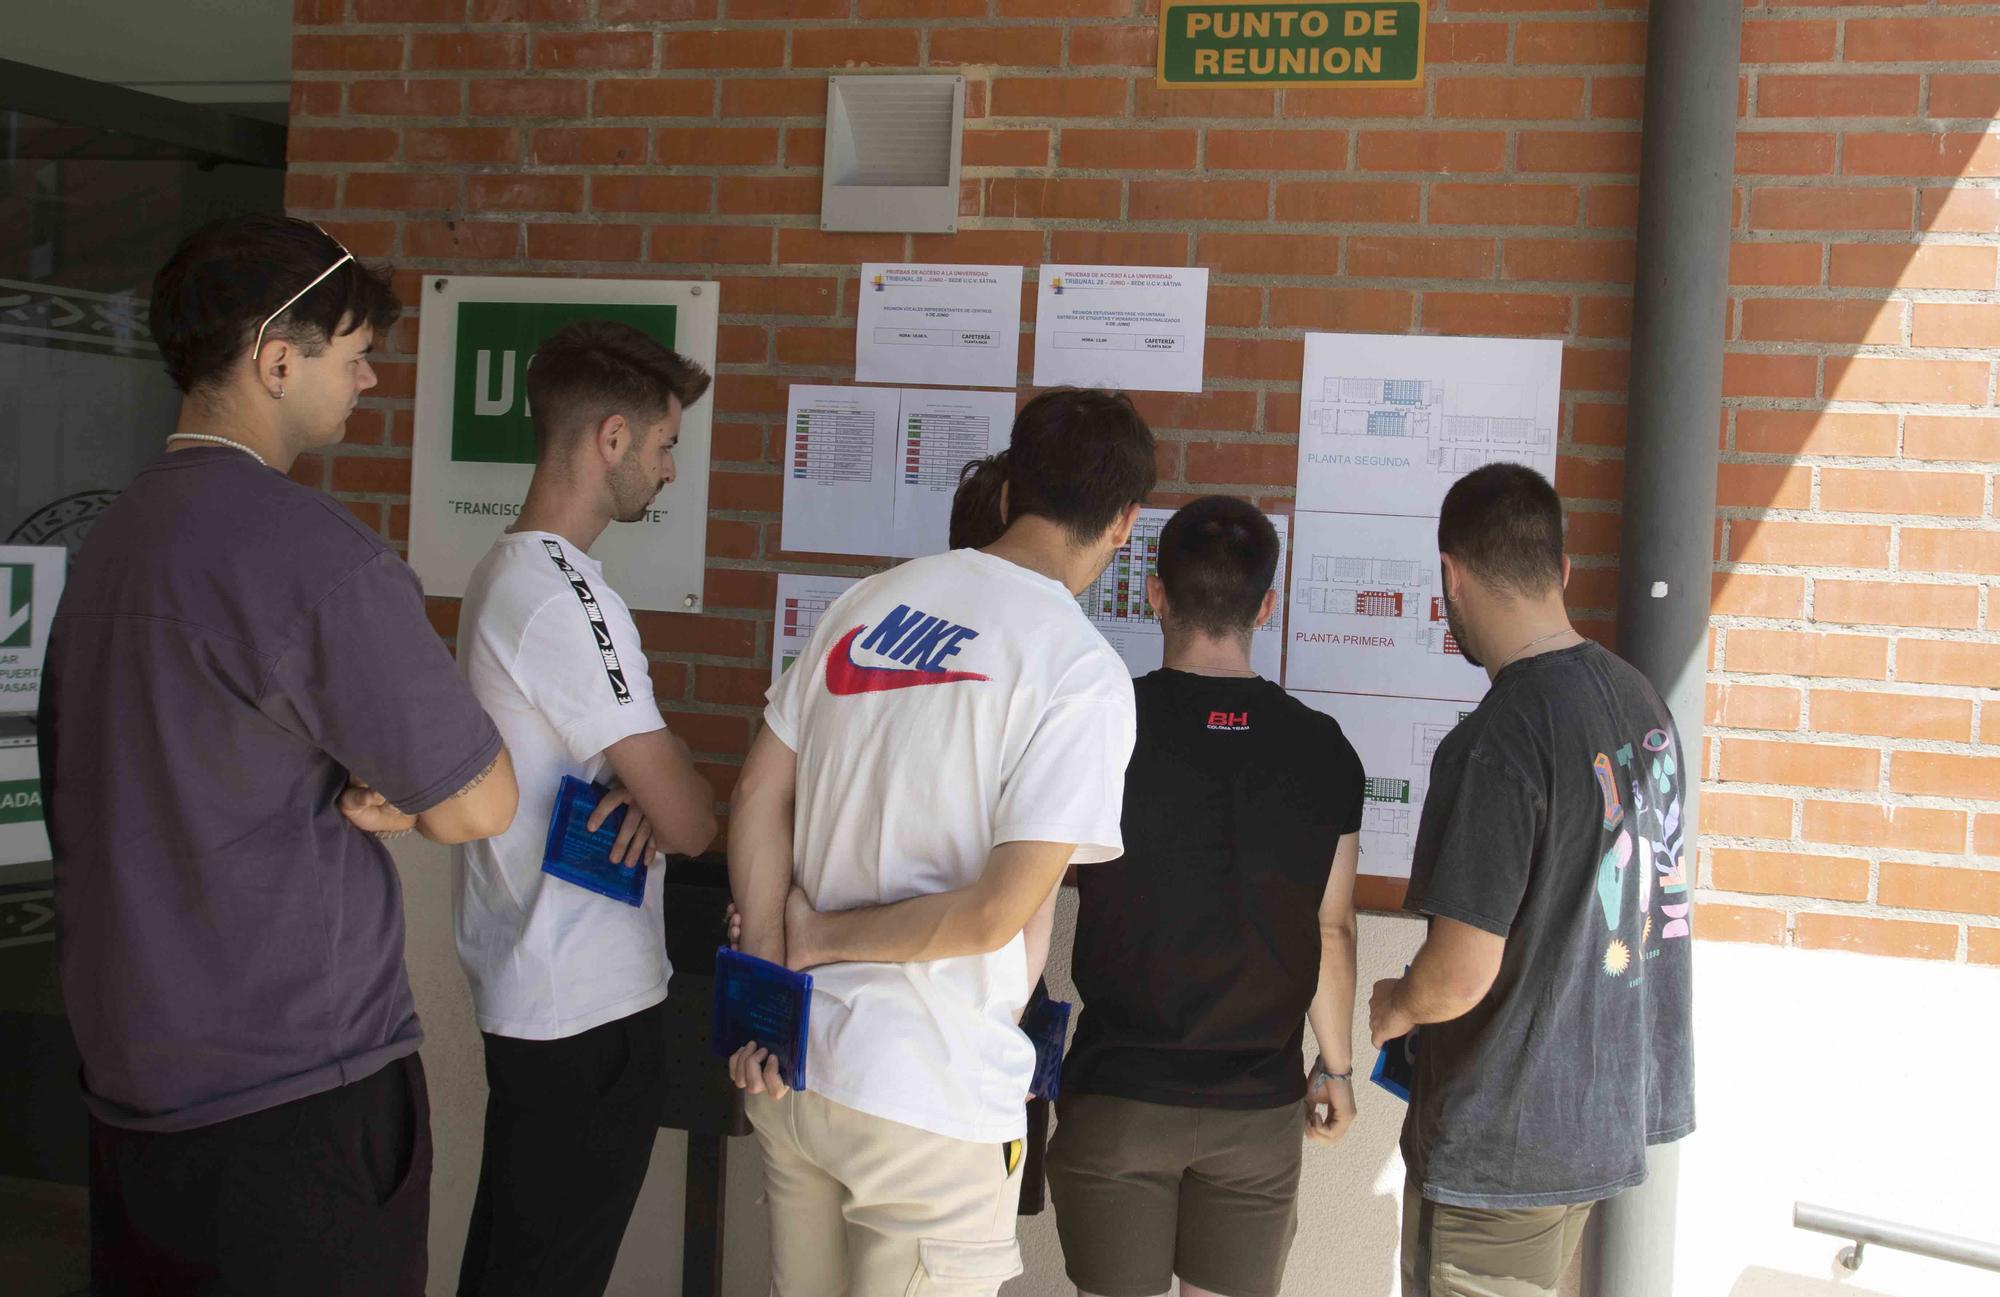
[954,736]
[567,984]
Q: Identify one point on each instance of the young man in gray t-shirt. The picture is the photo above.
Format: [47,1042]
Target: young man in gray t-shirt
[242,696]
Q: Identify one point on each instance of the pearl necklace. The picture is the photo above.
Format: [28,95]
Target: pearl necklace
[220,441]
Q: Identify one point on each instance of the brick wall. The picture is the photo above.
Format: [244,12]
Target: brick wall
[1853,795]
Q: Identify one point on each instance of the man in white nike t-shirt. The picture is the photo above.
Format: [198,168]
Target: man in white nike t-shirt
[954,736]
[568,984]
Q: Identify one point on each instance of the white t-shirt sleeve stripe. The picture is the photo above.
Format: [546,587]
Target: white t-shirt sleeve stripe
[562,672]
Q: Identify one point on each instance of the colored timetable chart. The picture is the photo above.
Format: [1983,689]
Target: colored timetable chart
[1116,601]
[802,600]
[872,470]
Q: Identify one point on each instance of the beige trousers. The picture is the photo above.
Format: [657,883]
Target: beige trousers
[864,1207]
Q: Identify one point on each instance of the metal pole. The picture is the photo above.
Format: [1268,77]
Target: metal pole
[1680,301]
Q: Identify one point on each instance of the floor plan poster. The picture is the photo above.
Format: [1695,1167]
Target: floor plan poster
[871,470]
[1116,604]
[947,325]
[1387,424]
[1395,739]
[1367,611]
[1135,328]
[801,601]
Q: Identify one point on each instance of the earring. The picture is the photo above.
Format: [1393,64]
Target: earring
[281,394]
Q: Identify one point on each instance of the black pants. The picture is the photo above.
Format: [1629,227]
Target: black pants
[569,1133]
[326,1196]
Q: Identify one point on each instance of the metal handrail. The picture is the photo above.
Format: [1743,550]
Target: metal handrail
[1977,1253]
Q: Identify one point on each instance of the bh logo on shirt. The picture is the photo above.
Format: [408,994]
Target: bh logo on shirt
[1235,721]
[920,642]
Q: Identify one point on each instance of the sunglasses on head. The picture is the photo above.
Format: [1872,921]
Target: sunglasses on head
[343,259]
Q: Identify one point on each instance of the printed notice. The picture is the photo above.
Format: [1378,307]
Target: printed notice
[1395,739]
[948,326]
[1116,602]
[31,582]
[872,470]
[1387,424]
[1133,328]
[802,599]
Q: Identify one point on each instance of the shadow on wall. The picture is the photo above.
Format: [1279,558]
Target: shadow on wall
[1759,1282]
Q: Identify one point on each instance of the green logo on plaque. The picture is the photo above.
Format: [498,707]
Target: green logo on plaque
[20,801]
[490,421]
[1206,45]
[17,628]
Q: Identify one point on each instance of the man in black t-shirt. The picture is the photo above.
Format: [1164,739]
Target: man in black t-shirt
[1553,989]
[1201,953]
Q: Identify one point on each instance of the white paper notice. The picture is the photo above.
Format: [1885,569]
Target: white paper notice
[1116,603]
[801,600]
[872,470]
[1387,424]
[1134,328]
[951,326]
[1395,739]
[31,583]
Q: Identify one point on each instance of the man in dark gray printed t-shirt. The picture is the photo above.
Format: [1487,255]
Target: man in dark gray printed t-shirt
[242,697]
[1551,998]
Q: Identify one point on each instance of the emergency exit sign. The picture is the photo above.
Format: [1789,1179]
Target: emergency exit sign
[1210,45]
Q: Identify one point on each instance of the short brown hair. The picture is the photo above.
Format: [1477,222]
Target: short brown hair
[1505,522]
[591,369]
[1079,457]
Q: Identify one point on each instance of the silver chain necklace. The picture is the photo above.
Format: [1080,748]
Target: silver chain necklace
[214,440]
[1541,639]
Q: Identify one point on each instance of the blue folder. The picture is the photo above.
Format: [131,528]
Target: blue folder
[1396,1066]
[1047,1025]
[765,1003]
[584,858]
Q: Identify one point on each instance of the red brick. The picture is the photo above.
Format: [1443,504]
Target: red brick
[1589,152]
[1749,594]
[1883,603]
[1613,207]
[1758,707]
[1266,150]
[1270,254]
[1935,382]
[340,144]
[1832,209]
[319,13]
[1237,463]
[1199,200]
[400,192]
[1974,94]
[1518,204]
[1781,319]
[1510,98]
[1108,248]
[599,50]
[1972,552]
[1935,265]
[1431,152]
[521,193]
[1763,486]
[1746,815]
[1762,375]
[839,47]
[774,97]
[477,240]
[322,98]
[1773,873]
[1103,46]
[1526,314]
[1460,42]
[816,346]
[1344,201]
[588,146]
[1838,95]
[1896,716]
[1606,43]
[1216,411]
[1901,491]
[462,144]
[732,50]
[1035,198]
[1360,310]
[469,50]
[658,97]
[1807,653]
[1982,945]
[1783,153]
[1128,150]
[1775,265]
[371,474]
[1348,103]
[1815,432]
[1255,358]
[1960,211]
[1867,936]
[768,195]
[1925,40]
[528,97]
[1952,439]
[1808,765]
[1717,922]
[713,732]
[1387,257]
[1927,887]
[810,247]
[403,98]
[1871,824]
[1058,97]
[1956,324]
[987,247]
[672,194]
[1006,47]
[1945,774]
[1064,8]
[1986,835]
[1927,153]
[585,241]
[316,53]
[1948,662]
[1789,41]
[696,245]
[1006,148]
[1150,103]
[716,146]
[1581,261]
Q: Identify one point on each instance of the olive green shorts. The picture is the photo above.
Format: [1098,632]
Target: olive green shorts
[1145,1191]
[1483,1252]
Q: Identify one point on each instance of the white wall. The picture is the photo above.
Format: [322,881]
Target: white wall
[1859,1083]
[205,51]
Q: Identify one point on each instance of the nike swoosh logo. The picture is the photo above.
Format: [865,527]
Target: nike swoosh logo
[846,677]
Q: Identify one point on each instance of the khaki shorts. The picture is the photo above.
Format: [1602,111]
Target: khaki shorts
[1144,1192]
[1484,1252]
[863,1207]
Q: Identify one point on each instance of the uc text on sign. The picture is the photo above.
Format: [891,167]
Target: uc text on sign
[1207,45]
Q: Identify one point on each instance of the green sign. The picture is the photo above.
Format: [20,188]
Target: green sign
[21,801]
[1209,45]
[490,421]
[17,624]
